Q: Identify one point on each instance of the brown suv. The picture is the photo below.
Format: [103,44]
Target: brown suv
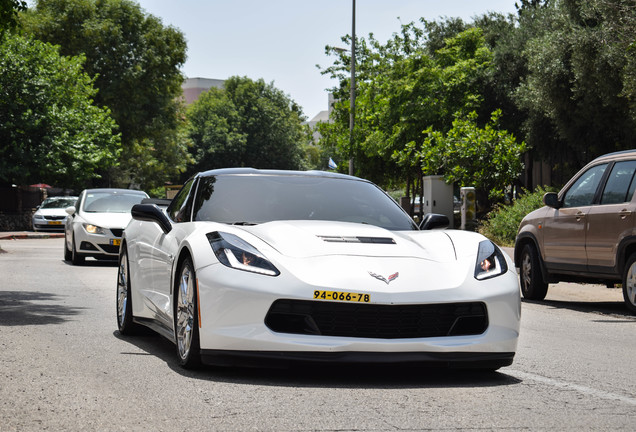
[585,233]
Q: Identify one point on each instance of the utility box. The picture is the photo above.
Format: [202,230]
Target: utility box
[438,197]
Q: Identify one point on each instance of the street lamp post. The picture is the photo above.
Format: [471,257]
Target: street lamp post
[352,110]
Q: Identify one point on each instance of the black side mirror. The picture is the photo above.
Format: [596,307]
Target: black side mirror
[434,221]
[551,199]
[151,213]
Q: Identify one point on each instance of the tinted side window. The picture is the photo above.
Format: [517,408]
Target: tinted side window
[620,183]
[179,209]
[583,190]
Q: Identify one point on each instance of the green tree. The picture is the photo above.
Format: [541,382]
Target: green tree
[469,155]
[576,94]
[247,124]
[136,61]
[9,13]
[50,130]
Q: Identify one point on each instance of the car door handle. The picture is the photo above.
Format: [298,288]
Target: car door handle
[624,214]
[579,216]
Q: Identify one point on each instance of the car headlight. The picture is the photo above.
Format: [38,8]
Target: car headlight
[38,216]
[93,229]
[490,261]
[232,251]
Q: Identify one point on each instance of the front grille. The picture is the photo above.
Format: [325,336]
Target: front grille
[117,232]
[54,218]
[109,248]
[377,321]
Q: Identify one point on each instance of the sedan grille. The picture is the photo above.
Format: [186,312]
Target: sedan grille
[377,321]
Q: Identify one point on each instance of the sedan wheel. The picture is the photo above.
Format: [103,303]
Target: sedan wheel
[532,285]
[76,257]
[68,255]
[186,317]
[629,283]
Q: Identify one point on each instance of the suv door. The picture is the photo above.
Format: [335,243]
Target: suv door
[612,219]
[565,229]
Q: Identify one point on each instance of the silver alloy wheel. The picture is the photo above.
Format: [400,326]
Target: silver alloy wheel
[526,269]
[122,289]
[185,312]
[630,285]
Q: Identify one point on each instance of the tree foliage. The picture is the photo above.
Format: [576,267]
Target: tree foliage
[9,13]
[50,130]
[136,61]
[416,110]
[247,124]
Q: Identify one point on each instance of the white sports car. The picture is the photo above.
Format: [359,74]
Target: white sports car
[253,267]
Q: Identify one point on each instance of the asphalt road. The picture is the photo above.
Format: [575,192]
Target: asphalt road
[63,366]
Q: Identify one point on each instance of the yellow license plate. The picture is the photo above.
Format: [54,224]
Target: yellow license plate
[55,222]
[115,242]
[342,296]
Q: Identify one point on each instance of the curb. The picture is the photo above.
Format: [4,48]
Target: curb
[29,235]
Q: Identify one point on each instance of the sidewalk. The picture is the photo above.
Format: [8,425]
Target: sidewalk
[20,235]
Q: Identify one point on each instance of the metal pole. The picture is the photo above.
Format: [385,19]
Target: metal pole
[352,111]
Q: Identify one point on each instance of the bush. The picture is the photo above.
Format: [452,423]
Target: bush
[503,222]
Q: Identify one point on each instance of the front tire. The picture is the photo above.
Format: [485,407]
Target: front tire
[186,322]
[68,255]
[76,257]
[532,285]
[629,283]
[125,322]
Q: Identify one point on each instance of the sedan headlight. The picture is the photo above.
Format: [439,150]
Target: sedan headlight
[93,229]
[232,251]
[490,261]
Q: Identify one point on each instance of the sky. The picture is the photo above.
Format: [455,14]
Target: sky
[282,41]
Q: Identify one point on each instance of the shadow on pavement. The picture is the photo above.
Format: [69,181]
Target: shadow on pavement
[25,308]
[309,375]
[614,309]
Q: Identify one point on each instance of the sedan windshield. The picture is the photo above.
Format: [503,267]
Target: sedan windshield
[58,203]
[110,202]
[253,199]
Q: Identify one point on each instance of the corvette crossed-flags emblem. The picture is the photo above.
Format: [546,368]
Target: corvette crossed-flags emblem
[383,279]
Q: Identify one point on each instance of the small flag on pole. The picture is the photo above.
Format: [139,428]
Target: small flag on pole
[332,164]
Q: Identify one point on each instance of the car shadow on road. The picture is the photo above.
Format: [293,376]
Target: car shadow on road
[94,263]
[617,309]
[19,308]
[311,375]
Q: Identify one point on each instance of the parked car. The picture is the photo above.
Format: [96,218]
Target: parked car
[249,266]
[51,214]
[585,233]
[95,225]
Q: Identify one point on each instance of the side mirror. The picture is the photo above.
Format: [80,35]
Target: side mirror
[151,213]
[551,199]
[434,221]
[70,210]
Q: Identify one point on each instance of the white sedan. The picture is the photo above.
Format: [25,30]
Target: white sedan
[94,228]
[254,267]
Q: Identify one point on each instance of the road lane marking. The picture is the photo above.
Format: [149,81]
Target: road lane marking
[566,385]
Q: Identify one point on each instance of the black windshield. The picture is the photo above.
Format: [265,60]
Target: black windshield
[252,199]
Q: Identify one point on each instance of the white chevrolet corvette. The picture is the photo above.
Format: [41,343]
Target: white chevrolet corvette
[254,267]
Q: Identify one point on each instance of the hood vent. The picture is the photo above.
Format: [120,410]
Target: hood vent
[347,239]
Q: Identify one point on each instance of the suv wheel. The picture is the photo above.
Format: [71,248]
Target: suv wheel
[532,285]
[629,283]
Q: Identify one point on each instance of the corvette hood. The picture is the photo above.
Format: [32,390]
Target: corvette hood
[304,239]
